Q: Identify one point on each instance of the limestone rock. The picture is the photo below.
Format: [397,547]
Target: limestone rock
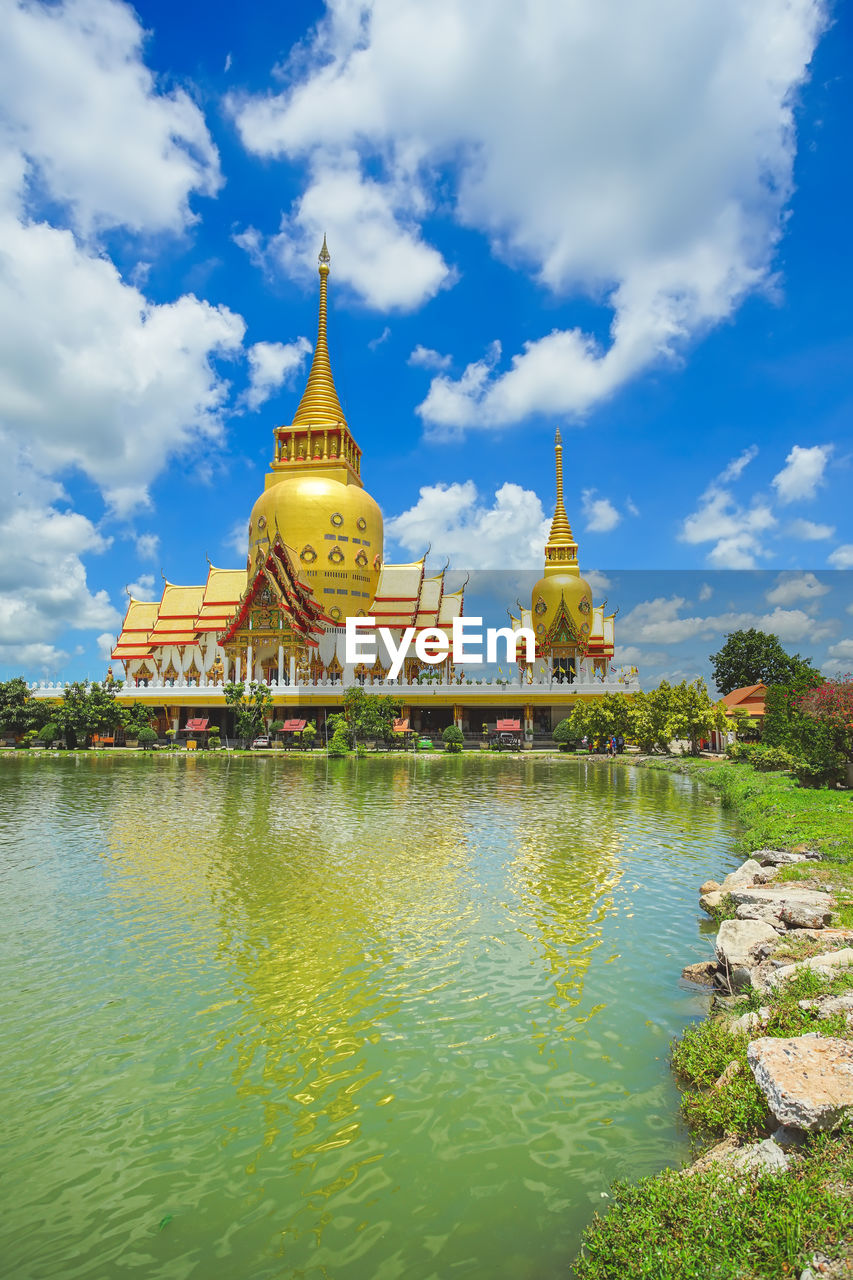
[799,915]
[754,1020]
[744,875]
[807,1080]
[710,901]
[702,972]
[829,1006]
[814,854]
[737,945]
[761,1157]
[777,857]
[764,895]
[709,886]
[765,875]
[770,914]
[827,964]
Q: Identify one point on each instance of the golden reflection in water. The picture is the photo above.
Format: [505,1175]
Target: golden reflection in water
[340,911]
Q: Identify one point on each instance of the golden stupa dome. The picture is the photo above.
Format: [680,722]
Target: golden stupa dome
[561,601]
[314,497]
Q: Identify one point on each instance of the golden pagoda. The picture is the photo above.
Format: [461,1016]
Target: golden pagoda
[314,497]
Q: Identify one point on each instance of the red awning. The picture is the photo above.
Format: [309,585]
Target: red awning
[507,726]
[401,726]
[294,726]
[198,725]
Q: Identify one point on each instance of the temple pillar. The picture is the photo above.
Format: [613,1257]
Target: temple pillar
[293,668]
[250,675]
[237,668]
[280,663]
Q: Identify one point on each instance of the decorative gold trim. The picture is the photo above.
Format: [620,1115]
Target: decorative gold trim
[336,556]
[308,554]
[361,523]
[336,519]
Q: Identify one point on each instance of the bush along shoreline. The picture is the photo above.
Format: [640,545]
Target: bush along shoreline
[767,1077]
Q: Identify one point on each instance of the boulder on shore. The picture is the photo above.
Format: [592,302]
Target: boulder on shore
[827,965]
[738,947]
[777,857]
[807,1080]
[702,972]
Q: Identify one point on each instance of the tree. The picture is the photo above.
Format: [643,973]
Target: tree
[564,734]
[369,715]
[19,710]
[147,737]
[756,657]
[649,718]
[135,718]
[250,707]
[692,714]
[87,709]
[453,738]
[601,717]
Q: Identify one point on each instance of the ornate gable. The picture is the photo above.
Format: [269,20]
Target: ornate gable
[275,600]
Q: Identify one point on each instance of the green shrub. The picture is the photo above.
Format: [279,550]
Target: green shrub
[49,733]
[339,743]
[453,738]
[275,727]
[146,737]
[565,736]
[770,759]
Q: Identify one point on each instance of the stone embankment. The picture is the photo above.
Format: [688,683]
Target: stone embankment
[806,1079]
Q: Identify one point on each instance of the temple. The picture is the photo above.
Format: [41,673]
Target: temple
[314,558]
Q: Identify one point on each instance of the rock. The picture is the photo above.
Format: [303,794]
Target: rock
[709,886]
[754,1020]
[761,1157]
[744,875]
[765,875]
[803,849]
[787,1138]
[780,895]
[827,964]
[733,1069]
[807,1080]
[736,947]
[710,901]
[799,915]
[777,857]
[702,972]
[769,914]
[830,1006]
[723,1151]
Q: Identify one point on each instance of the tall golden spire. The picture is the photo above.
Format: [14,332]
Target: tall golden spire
[320,404]
[561,549]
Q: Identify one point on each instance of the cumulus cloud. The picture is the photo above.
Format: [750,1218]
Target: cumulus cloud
[508,533]
[791,587]
[842,557]
[705,592]
[147,545]
[601,515]
[378,250]
[272,365]
[597,580]
[802,474]
[736,467]
[809,531]
[143,588]
[735,530]
[661,621]
[643,158]
[425,358]
[88,119]
[43,585]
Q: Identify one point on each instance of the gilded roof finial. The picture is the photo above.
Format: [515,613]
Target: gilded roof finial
[561,530]
[320,403]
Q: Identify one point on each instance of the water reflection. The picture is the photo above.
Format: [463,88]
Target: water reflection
[348,1019]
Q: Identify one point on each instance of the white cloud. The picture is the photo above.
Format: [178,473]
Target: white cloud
[377,247]
[802,473]
[508,534]
[796,586]
[597,580]
[383,337]
[105,643]
[272,365]
[147,545]
[809,531]
[95,376]
[425,358]
[601,515]
[143,588]
[737,465]
[705,592]
[43,585]
[842,557]
[735,530]
[237,540]
[85,112]
[841,649]
[660,621]
[640,155]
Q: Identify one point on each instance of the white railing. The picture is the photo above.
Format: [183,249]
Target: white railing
[485,690]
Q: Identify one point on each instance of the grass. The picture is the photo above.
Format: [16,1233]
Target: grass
[717,1223]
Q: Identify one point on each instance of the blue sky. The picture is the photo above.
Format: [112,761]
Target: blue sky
[628,220]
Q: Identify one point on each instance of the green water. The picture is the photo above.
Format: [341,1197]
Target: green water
[353,1020]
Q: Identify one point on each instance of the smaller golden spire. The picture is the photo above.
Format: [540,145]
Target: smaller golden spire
[561,530]
[320,404]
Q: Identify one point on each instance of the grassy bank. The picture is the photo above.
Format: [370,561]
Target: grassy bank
[713,1222]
